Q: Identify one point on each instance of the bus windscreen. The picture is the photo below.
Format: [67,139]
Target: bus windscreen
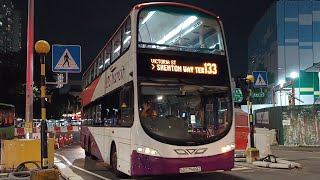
[179,29]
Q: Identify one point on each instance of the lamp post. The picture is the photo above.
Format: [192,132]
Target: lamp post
[42,48]
[250,80]
[252,152]
[293,76]
[29,71]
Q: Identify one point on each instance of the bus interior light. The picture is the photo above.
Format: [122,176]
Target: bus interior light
[186,32]
[107,60]
[178,29]
[150,14]
[116,50]
[127,39]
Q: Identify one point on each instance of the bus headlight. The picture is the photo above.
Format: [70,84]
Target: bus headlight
[228,148]
[148,151]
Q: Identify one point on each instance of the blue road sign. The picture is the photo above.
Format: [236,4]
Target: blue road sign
[260,79]
[66,58]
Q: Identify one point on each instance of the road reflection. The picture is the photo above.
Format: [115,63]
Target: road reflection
[99,167]
[202,176]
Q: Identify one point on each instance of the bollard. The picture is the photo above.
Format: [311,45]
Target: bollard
[252,155]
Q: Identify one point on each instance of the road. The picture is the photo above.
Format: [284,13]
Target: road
[309,159]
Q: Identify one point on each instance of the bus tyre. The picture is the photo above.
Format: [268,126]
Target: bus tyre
[113,162]
[87,148]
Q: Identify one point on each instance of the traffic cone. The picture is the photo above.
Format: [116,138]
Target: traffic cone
[61,141]
[71,138]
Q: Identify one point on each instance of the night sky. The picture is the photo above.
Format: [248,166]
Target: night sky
[91,23]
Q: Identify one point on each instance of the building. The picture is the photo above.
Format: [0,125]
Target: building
[17,31]
[286,44]
[10,27]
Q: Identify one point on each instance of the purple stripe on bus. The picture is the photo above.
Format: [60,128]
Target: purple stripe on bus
[142,165]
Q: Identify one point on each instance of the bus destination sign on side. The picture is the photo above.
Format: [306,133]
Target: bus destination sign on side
[168,65]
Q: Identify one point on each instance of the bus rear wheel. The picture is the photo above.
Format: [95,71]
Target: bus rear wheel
[87,147]
[113,162]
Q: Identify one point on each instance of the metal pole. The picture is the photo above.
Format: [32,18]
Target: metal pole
[293,95]
[274,98]
[251,115]
[29,74]
[44,138]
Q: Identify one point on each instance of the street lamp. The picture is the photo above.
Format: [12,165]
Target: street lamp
[42,48]
[250,80]
[252,152]
[293,76]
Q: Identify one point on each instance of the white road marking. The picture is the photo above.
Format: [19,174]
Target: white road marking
[240,168]
[81,169]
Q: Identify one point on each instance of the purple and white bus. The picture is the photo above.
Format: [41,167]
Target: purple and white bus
[157,98]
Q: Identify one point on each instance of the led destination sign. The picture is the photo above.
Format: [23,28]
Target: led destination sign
[167,65]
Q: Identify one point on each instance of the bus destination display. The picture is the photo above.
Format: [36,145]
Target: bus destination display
[168,65]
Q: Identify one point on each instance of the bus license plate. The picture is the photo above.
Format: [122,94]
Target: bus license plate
[190,169]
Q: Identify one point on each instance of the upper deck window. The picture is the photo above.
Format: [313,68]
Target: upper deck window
[179,29]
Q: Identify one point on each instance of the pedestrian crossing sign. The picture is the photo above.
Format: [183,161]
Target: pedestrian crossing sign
[260,79]
[66,58]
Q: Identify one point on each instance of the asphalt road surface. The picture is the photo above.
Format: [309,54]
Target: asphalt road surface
[88,168]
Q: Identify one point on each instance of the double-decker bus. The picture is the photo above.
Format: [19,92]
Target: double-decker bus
[7,120]
[157,98]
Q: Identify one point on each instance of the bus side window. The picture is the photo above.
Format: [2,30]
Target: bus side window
[110,107]
[126,109]
[116,46]
[98,115]
[126,35]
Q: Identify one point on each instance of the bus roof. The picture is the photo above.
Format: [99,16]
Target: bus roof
[139,6]
[143,5]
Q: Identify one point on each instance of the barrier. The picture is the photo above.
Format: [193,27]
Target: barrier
[38,135]
[241,131]
[21,131]
[17,151]
[241,138]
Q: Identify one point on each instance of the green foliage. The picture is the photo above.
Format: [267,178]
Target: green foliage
[21,90]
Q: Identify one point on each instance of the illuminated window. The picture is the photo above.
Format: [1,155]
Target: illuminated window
[179,29]
[116,46]
[126,35]
[107,56]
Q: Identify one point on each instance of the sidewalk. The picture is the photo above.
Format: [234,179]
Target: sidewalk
[296,148]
